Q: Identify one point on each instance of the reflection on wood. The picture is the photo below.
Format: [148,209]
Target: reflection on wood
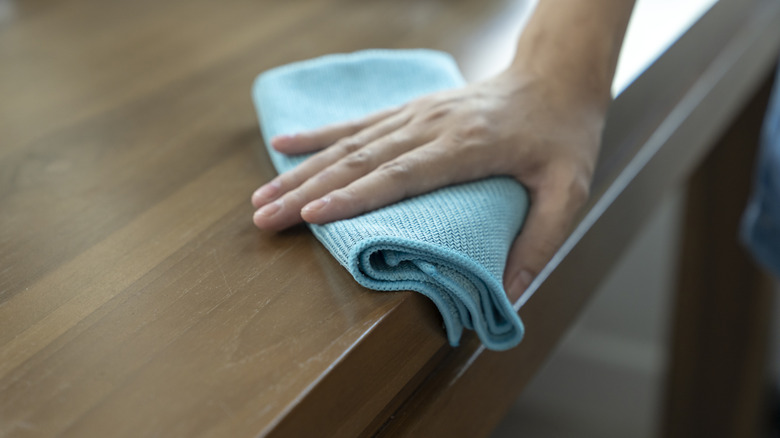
[137,299]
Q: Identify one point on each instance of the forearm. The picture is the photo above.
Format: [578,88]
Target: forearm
[576,44]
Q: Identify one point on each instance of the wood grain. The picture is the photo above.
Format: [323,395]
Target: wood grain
[136,297]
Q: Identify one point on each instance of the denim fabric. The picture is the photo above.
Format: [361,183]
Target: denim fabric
[761,220]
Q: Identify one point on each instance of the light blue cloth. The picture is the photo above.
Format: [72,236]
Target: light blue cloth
[761,221]
[450,245]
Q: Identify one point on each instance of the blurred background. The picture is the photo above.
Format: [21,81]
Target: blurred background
[607,377]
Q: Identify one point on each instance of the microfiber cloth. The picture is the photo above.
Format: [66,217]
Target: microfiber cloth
[450,244]
[761,220]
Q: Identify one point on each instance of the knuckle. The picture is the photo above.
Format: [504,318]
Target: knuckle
[349,145]
[578,190]
[436,113]
[396,170]
[347,193]
[345,196]
[398,137]
[290,180]
[321,176]
[360,159]
[572,182]
[478,127]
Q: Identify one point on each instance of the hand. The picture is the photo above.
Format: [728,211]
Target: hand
[527,127]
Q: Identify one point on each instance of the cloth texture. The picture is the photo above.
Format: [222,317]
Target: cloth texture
[451,244]
[761,220]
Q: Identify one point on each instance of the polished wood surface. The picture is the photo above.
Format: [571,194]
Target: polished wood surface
[136,297]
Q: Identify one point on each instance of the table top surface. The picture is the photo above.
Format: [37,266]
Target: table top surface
[136,296]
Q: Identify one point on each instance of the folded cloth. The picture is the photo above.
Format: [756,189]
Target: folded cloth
[451,244]
[761,220]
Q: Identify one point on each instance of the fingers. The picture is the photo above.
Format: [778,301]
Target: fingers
[316,139]
[553,207]
[411,174]
[286,210]
[294,178]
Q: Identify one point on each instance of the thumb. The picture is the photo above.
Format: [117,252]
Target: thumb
[546,227]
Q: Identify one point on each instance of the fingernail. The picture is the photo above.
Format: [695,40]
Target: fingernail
[315,205]
[280,139]
[269,209]
[267,191]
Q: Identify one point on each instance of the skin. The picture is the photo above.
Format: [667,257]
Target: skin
[539,121]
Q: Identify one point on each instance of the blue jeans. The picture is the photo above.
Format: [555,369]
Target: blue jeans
[761,220]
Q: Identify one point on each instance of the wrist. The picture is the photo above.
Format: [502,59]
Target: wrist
[573,46]
[569,85]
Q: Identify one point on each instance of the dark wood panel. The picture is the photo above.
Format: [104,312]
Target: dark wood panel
[717,375]
[471,390]
[136,298]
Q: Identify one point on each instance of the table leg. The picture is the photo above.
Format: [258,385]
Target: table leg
[716,381]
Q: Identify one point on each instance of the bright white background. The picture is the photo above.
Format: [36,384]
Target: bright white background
[654,26]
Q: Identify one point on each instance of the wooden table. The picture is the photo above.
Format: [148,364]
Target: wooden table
[137,299]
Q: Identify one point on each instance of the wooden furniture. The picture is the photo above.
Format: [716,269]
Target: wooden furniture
[137,299]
